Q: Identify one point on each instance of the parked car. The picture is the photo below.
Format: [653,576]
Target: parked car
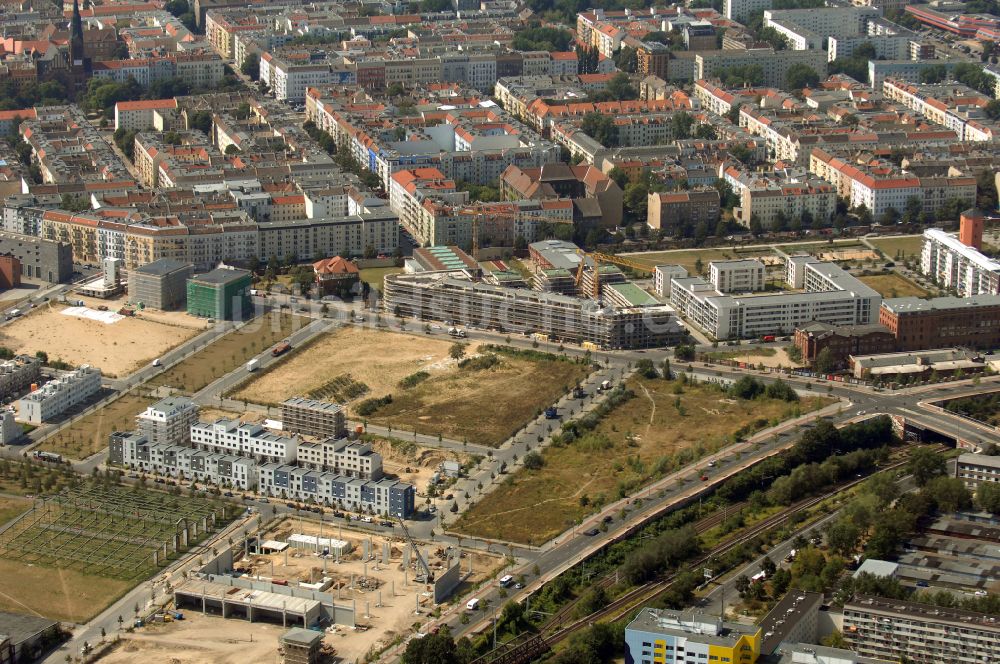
[590,532]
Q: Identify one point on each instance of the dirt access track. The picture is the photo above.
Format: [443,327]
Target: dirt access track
[117,349]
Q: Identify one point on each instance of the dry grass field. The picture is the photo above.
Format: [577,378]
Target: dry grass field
[651,435]
[376,358]
[688,257]
[225,354]
[481,406]
[12,507]
[894,285]
[902,246]
[57,594]
[117,349]
[89,434]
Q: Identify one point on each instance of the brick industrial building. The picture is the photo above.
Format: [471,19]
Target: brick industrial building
[843,341]
[972,322]
[45,260]
[10,272]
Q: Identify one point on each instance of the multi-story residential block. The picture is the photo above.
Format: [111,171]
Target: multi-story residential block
[18,373]
[159,114]
[951,105]
[740,10]
[777,201]
[773,64]
[663,274]
[677,210]
[976,469]
[455,297]
[843,341]
[464,141]
[134,451]
[943,322]
[891,629]
[372,228]
[59,395]
[737,276]
[810,28]
[341,456]
[313,418]
[249,440]
[679,637]
[952,264]
[168,421]
[387,497]
[831,295]
[584,184]
[199,70]
[880,185]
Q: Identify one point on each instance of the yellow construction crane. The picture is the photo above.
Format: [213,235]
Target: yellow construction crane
[599,258]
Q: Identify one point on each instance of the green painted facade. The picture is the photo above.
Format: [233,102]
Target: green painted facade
[221,294]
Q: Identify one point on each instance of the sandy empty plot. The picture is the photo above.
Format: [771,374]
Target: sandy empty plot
[848,255]
[377,358]
[57,594]
[481,406]
[116,349]
[199,640]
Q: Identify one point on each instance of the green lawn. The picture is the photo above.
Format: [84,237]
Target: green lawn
[374,275]
[909,245]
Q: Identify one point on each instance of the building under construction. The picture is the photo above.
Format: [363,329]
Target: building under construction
[454,296]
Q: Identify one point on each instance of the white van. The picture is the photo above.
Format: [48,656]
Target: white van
[505,581]
[472,604]
[157,362]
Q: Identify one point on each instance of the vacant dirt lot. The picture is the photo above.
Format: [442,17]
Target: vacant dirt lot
[57,594]
[89,435]
[481,406]
[689,257]
[199,640]
[664,427]
[377,358]
[117,349]
[413,463]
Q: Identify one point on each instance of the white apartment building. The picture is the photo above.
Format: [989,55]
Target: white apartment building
[964,117]
[832,296]
[235,438]
[975,469]
[737,276]
[59,395]
[954,265]
[662,274]
[134,451]
[168,420]
[341,456]
[740,10]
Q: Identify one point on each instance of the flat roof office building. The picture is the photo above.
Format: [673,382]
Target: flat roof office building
[222,294]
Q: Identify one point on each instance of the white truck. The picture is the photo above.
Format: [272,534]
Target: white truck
[456,332]
[253,364]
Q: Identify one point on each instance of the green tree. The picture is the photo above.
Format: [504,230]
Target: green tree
[801,76]
[457,350]
[433,6]
[251,66]
[933,74]
[620,88]
[601,128]
[988,497]
[533,461]
[825,362]
[680,125]
[925,464]
[542,39]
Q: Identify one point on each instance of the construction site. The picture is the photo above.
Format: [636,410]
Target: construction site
[362,589]
[574,297]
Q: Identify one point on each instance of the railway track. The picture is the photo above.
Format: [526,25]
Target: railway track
[554,632]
